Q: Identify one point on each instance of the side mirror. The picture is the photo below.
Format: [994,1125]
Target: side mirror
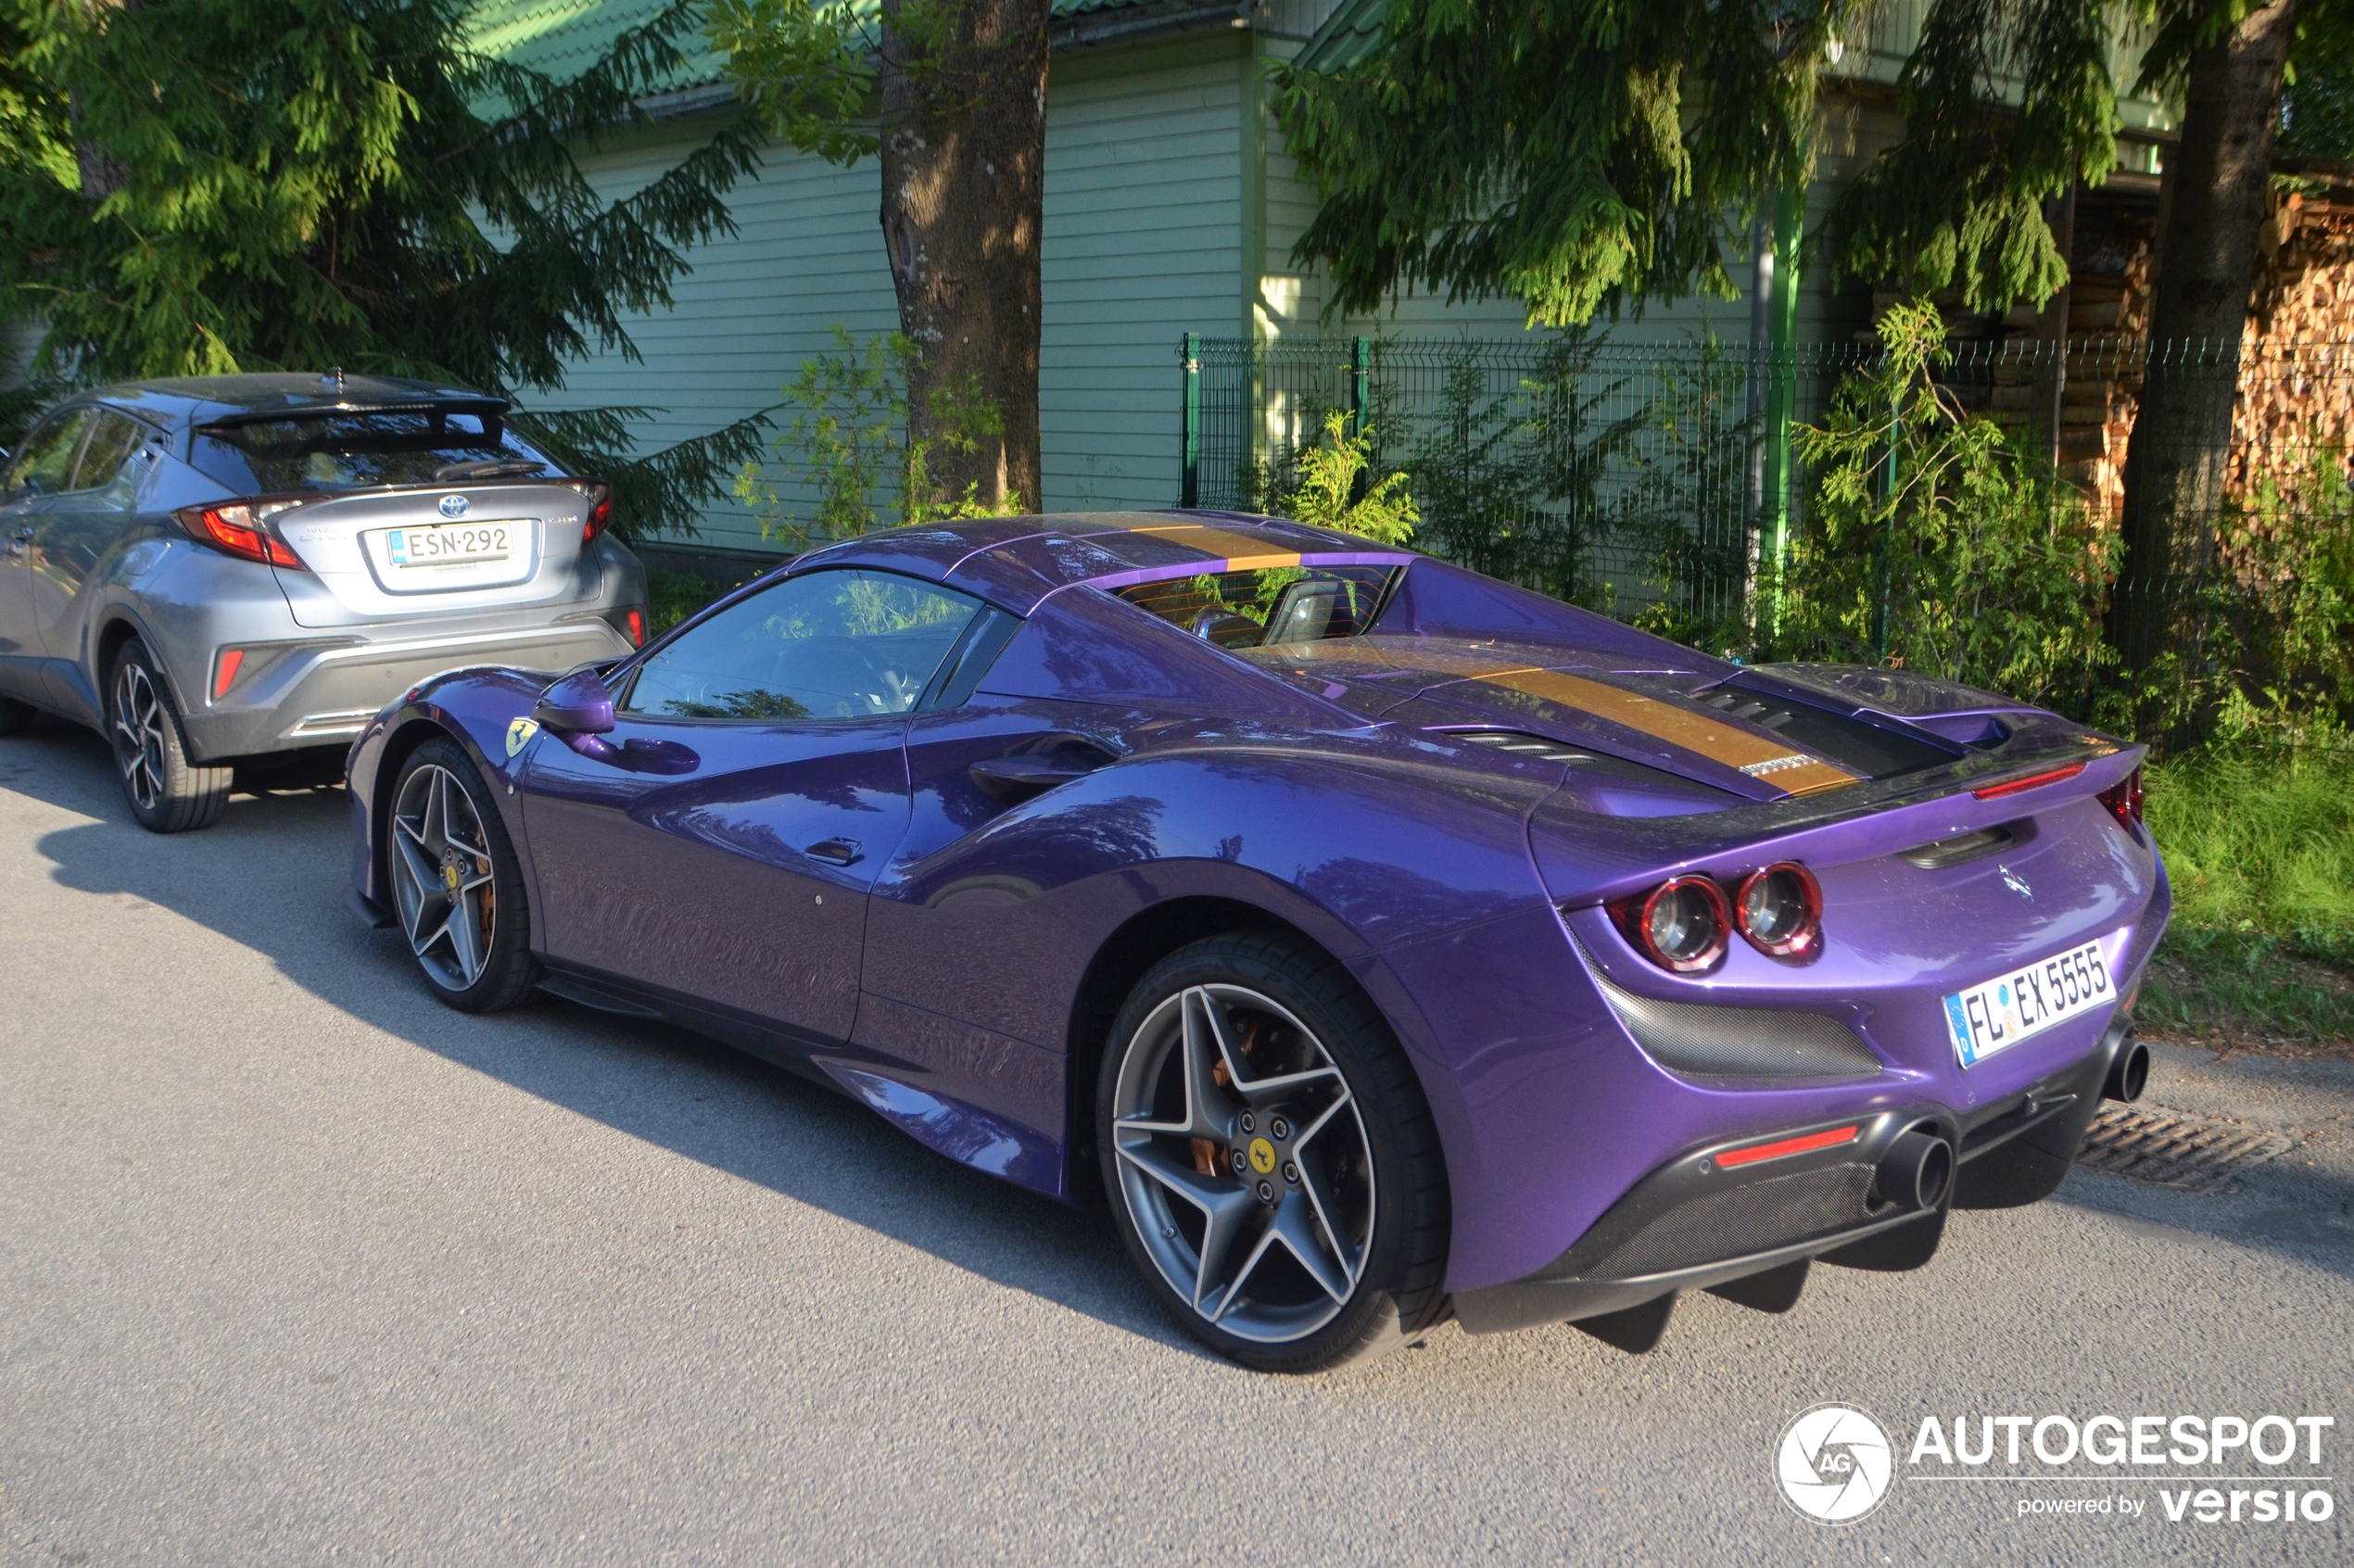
[578,704]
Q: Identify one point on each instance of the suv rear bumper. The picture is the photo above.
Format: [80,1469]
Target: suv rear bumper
[322,692]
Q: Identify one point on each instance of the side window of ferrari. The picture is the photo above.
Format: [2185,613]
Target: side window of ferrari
[1267,606]
[46,461]
[844,643]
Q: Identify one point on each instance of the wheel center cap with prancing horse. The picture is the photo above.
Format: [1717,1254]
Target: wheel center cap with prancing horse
[1262,1156]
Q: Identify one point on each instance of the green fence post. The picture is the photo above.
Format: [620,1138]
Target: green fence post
[1360,384]
[1884,547]
[1189,442]
[1782,385]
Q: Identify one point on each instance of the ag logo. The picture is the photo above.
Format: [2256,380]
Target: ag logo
[454,506]
[1834,1463]
[519,735]
[1262,1156]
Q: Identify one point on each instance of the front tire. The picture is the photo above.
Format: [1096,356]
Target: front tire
[457,885]
[1270,1161]
[168,792]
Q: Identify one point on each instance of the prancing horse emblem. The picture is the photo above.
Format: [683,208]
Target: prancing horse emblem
[519,735]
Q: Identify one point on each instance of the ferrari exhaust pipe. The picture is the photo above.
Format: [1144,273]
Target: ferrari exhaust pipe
[2128,1073]
[1916,1171]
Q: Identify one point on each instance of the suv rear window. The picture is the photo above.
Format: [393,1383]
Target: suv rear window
[1272,605]
[356,452]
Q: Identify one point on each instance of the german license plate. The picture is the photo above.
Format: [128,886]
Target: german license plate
[2024,1003]
[460,546]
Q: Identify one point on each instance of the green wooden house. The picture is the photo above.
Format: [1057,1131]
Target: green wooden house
[1170,209]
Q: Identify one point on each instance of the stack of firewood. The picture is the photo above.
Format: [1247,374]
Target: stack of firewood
[2109,317]
[2296,361]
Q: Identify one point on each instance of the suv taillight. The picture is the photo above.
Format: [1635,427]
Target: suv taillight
[599,496]
[242,528]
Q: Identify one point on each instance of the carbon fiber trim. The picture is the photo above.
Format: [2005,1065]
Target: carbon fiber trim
[1755,1216]
[1740,1045]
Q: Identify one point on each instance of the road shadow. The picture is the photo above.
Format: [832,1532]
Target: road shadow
[269,877]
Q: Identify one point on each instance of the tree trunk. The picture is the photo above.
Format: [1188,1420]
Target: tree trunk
[964,153]
[2218,193]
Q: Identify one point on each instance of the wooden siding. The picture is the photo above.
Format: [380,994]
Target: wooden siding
[1142,244]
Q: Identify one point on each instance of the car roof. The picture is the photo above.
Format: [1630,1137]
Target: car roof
[1016,561]
[201,400]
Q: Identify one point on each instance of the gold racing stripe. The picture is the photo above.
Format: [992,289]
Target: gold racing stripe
[1756,755]
[1753,754]
[1242,552]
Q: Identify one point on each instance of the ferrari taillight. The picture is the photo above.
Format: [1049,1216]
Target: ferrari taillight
[1685,924]
[1780,911]
[2124,801]
[1681,925]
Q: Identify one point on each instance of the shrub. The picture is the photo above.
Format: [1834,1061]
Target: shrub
[1937,546]
[1326,489]
[850,444]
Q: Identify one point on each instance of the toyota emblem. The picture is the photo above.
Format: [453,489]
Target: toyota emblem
[453,506]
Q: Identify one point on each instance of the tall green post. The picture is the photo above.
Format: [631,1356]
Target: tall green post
[1360,384]
[1189,442]
[1782,385]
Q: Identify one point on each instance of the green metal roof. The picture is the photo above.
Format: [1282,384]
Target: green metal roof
[1347,36]
[561,38]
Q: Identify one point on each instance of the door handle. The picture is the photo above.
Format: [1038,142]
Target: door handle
[836,851]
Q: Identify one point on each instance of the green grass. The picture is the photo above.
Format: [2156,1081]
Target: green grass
[2260,844]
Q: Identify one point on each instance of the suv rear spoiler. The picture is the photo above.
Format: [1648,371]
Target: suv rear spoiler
[488,408]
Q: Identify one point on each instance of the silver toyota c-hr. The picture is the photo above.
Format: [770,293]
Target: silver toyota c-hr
[234,573]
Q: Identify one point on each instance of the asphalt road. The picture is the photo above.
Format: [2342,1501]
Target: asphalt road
[296,1266]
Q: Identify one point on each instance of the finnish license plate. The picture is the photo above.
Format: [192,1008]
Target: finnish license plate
[2024,1003]
[460,546]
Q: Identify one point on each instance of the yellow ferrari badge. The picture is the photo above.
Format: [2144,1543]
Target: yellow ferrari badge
[519,735]
[1262,1156]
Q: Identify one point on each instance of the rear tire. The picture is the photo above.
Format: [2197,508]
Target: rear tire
[167,791]
[457,887]
[1256,1111]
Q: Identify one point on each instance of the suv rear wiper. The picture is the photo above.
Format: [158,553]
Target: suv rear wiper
[487,468]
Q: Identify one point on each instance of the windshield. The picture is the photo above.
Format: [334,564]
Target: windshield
[362,450]
[1272,605]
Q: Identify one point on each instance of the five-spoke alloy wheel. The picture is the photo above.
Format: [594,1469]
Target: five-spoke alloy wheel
[1268,1155]
[455,884]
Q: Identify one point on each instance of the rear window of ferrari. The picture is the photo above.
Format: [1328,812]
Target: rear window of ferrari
[1270,606]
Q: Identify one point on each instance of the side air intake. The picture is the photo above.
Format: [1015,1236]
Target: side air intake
[1712,1044]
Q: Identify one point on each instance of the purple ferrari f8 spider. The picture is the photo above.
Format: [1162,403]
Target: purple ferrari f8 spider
[1383,942]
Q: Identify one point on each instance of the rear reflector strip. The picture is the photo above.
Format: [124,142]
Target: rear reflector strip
[1805,1142]
[224,673]
[1997,791]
